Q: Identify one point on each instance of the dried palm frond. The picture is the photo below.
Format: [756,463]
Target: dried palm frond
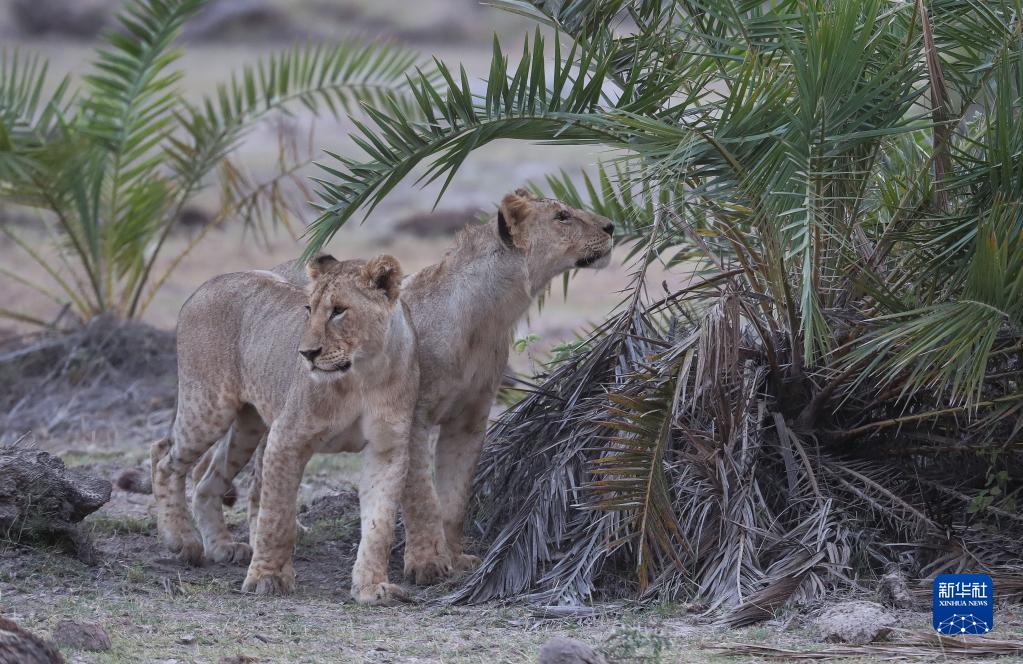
[664,410]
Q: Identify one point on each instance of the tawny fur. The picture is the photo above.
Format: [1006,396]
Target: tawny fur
[250,358]
[464,310]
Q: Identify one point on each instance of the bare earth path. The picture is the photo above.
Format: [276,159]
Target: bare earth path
[101,398]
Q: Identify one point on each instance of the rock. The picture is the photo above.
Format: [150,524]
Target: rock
[563,650]
[83,636]
[135,480]
[895,590]
[81,18]
[224,19]
[18,646]
[237,659]
[40,497]
[855,622]
[439,223]
[193,218]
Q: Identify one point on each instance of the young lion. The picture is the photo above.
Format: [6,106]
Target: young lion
[464,310]
[237,363]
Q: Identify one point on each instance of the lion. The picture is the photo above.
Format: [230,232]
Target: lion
[464,310]
[355,366]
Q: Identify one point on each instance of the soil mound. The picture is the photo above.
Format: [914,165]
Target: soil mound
[92,383]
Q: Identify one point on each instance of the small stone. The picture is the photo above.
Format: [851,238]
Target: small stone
[563,650]
[21,646]
[135,480]
[83,636]
[855,622]
[237,659]
[895,590]
[187,639]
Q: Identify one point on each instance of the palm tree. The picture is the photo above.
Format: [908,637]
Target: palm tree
[838,389]
[116,161]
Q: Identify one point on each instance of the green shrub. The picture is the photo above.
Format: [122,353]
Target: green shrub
[116,159]
[839,386]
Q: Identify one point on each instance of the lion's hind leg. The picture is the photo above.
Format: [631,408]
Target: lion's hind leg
[229,456]
[198,424]
[458,452]
[255,489]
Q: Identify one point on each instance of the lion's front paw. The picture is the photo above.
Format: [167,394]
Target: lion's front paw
[267,584]
[465,562]
[380,594]
[427,571]
[238,553]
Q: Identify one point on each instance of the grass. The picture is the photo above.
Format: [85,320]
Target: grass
[217,622]
[105,524]
[81,458]
[335,469]
[154,609]
[325,531]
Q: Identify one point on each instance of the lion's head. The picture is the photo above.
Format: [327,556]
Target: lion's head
[554,235]
[350,306]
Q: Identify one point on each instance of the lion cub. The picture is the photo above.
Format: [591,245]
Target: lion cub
[257,351]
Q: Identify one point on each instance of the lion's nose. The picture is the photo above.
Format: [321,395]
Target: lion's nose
[311,353]
[609,228]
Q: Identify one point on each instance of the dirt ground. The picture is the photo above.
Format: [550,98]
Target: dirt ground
[156,609]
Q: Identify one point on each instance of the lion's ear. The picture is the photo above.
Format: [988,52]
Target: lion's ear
[384,272]
[515,207]
[318,265]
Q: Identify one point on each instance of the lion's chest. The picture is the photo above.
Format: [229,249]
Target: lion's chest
[455,386]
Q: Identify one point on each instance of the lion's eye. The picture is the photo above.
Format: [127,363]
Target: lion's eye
[563,216]
[337,311]
[308,309]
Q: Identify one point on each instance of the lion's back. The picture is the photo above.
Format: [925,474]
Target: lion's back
[238,330]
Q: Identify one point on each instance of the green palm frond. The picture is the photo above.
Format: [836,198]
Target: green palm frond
[319,78]
[131,99]
[614,193]
[575,17]
[946,346]
[971,38]
[22,80]
[128,111]
[26,120]
[525,104]
[339,78]
[844,180]
[117,164]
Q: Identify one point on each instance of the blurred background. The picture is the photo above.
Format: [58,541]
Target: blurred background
[230,34]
